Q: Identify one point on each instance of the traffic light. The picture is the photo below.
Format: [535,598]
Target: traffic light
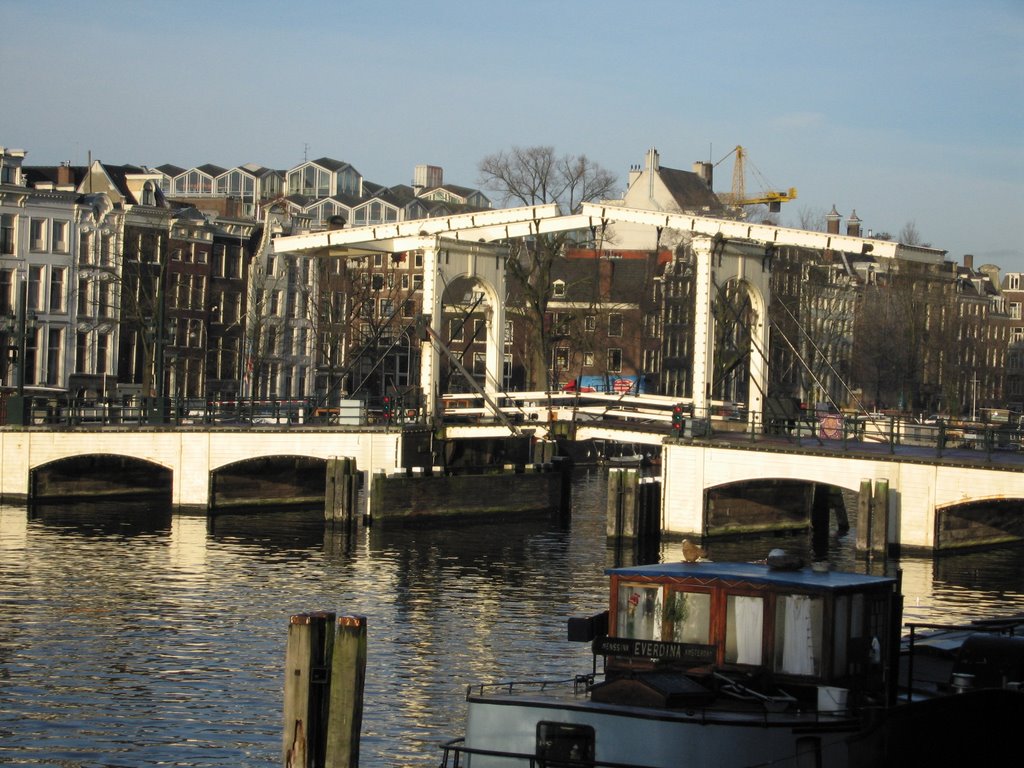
[389,408]
[678,422]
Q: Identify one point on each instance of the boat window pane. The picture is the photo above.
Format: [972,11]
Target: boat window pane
[689,617]
[857,616]
[841,634]
[744,625]
[798,634]
[639,612]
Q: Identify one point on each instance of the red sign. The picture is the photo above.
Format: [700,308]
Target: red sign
[622,385]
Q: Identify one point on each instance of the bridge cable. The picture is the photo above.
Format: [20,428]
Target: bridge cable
[758,348]
[810,339]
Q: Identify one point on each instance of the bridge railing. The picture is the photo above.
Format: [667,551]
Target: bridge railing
[853,431]
[73,412]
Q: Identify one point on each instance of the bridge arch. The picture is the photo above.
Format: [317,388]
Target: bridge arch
[85,475]
[780,503]
[979,521]
[269,480]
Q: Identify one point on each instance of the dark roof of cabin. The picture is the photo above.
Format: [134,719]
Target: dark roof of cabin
[210,169]
[170,170]
[41,174]
[804,578]
[689,190]
[331,164]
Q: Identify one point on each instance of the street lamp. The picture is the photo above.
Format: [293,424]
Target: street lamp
[23,324]
[159,332]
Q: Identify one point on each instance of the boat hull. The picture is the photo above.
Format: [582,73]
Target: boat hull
[652,738]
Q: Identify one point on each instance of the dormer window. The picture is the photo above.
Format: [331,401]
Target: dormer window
[558,289]
[148,194]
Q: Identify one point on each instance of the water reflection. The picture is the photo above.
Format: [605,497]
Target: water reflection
[130,639]
[127,517]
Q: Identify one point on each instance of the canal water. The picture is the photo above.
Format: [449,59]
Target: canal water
[133,637]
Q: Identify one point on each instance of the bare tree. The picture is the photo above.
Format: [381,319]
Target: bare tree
[359,311]
[909,234]
[811,218]
[532,176]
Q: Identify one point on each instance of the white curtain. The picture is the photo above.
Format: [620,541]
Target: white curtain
[798,640]
[749,620]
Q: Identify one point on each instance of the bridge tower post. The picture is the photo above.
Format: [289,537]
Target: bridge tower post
[430,356]
[717,262]
[444,261]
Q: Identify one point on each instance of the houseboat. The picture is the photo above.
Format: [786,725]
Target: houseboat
[713,665]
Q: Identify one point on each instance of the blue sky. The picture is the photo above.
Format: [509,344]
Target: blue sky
[907,112]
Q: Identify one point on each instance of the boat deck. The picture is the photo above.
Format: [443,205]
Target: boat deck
[575,694]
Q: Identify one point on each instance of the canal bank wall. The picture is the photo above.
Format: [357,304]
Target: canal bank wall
[508,492]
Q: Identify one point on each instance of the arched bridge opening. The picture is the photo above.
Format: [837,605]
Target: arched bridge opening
[979,523]
[775,504]
[94,477]
[269,483]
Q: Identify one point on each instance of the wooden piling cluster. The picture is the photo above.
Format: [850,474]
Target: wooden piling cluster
[634,505]
[341,492]
[873,516]
[325,671]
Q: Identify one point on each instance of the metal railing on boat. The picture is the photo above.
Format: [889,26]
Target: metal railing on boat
[455,749]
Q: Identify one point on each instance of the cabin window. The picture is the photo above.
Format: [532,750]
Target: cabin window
[798,633]
[841,634]
[744,625]
[639,612]
[565,743]
[688,617]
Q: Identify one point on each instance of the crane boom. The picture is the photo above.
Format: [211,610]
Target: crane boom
[772,198]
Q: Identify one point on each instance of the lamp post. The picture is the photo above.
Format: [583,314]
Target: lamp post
[159,331]
[974,395]
[17,410]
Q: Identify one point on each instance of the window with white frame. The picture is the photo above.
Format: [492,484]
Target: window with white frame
[35,288]
[561,358]
[6,291]
[7,222]
[57,278]
[614,360]
[52,374]
[37,237]
[61,239]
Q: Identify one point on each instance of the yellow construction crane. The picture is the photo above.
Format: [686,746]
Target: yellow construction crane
[772,198]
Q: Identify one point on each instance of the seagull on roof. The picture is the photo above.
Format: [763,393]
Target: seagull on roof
[691,552]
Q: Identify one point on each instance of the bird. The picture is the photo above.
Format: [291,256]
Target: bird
[691,552]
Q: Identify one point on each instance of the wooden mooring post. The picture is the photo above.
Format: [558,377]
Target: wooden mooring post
[873,516]
[325,671]
[633,506]
[341,492]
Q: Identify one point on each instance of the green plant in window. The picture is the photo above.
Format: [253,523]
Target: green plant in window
[677,610]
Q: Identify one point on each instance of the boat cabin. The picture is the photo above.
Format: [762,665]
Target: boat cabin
[800,627]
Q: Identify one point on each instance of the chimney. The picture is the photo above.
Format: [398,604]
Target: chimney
[634,174]
[969,261]
[706,172]
[606,275]
[832,221]
[652,160]
[64,175]
[852,224]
